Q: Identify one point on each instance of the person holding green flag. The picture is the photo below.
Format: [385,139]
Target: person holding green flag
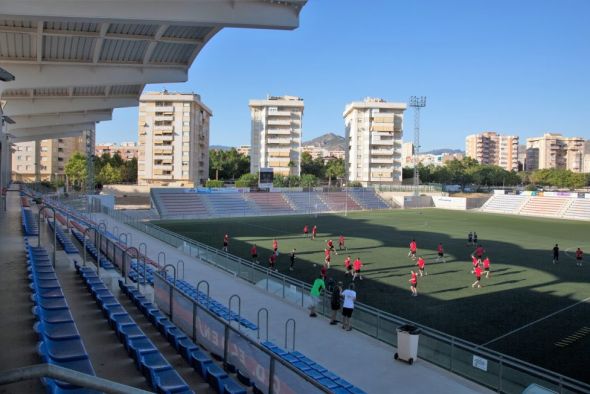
[316,289]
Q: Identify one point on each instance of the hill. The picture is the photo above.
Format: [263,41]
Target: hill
[329,141]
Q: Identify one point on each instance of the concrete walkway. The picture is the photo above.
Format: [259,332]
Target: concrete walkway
[18,341]
[360,359]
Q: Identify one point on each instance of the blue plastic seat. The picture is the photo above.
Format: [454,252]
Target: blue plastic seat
[200,361]
[185,346]
[53,303]
[64,350]
[216,377]
[136,345]
[53,315]
[169,381]
[231,387]
[56,331]
[128,331]
[328,383]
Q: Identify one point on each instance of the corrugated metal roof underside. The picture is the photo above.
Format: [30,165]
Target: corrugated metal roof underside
[71,26]
[191,32]
[123,51]
[68,48]
[51,92]
[16,93]
[172,53]
[17,46]
[90,91]
[133,29]
[125,90]
[18,23]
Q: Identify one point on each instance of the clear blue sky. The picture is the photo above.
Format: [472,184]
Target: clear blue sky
[515,66]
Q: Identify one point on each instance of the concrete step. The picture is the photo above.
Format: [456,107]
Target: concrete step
[107,354]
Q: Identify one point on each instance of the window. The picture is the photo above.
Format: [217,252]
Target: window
[185,123]
[19,158]
[44,159]
[45,149]
[187,104]
[19,168]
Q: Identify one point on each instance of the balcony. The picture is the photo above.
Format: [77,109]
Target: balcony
[282,141]
[168,127]
[380,141]
[160,138]
[164,118]
[162,176]
[280,113]
[279,131]
[167,108]
[382,127]
[162,166]
[382,152]
[279,122]
[165,149]
[381,160]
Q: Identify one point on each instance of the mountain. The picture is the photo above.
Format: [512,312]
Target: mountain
[329,141]
[441,151]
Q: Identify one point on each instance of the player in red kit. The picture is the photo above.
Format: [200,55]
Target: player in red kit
[272,261]
[314,231]
[275,246]
[327,257]
[331,247]
[348,266]
[225,242]
[341,243]
[305,231]
[477,273]
[357,265]
[486,266]
[413,249]
[254,253]
[421,265]
[479,252]
[414,283]
[579,257]
[441,253]
[474,263]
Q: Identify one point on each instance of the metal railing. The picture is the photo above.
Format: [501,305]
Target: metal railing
[230,344]
[66,375]
[490,368]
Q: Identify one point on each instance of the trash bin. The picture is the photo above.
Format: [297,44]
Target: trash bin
[407,343]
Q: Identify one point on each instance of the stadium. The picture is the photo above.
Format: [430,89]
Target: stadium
[171,299]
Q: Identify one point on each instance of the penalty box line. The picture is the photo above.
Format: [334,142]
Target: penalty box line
[535,322]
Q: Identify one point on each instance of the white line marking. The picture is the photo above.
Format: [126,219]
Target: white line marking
[535,322]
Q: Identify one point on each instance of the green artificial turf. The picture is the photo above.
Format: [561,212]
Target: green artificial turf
[524,284]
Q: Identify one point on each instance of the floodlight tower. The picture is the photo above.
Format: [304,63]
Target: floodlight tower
[417,103]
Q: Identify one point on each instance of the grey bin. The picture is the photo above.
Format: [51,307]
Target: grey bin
[407,343]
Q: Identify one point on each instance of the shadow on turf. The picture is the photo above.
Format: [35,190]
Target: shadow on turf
[475,315]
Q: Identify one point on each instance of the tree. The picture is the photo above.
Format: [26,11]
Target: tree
[335,169]
[228,165]
[215,163]
[247,180]
[76,170]
[312,166]
[309,180]
[109,175]
[129,171]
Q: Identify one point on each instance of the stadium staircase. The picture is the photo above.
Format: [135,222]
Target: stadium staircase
[339,201]
[579,209]
[270,203]
[368,199]
[306,202]
[505,203]
[544,206]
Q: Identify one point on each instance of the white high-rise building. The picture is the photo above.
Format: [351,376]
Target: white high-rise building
[276,134]
[555,151]
[374,130]
[173,139]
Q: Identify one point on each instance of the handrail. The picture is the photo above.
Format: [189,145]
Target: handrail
[84,235]
[263,309]
[161,253]
[199,285]
[229,320]
[291,320]
[178,266]
[124,268]
[121,234]
[54,230]
[77,378]
[141,258]
[144,248]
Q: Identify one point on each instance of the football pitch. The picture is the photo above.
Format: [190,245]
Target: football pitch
[529,308]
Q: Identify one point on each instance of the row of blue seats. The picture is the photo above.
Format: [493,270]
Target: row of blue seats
[314,370]
[104,262]
[192,353]
[30,225]
[214,306]
[148,359]
[60,343]
[136,273]
[65,242]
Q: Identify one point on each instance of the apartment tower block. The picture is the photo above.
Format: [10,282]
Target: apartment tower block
[374,130]
[276,134]
[492,148]
[173,139]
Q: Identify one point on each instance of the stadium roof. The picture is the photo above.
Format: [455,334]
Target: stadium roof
[74,62]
